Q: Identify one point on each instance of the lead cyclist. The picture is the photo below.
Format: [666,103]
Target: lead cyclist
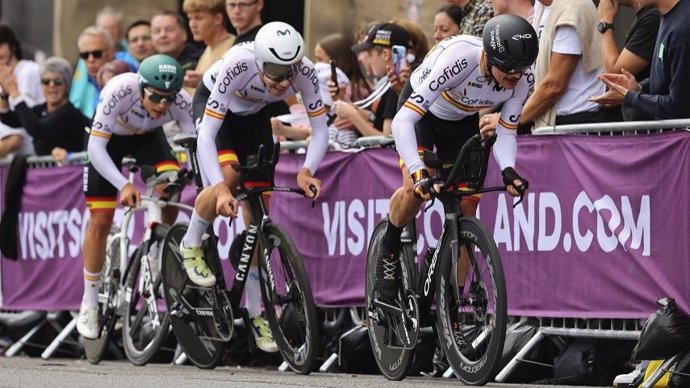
[460,76]
[229,106]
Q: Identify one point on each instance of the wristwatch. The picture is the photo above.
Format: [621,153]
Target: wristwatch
[604,26]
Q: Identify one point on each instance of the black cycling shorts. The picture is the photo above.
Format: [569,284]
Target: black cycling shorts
[149,149]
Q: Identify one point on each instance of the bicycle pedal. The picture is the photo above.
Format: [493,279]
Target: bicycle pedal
[376,316]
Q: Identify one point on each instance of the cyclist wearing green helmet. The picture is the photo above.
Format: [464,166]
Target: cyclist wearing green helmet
[130,104]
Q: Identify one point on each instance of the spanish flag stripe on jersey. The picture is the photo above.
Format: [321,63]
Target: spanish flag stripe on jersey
[96,133]
[167,166]
[318,112]
[414,107]
[214,114]
[227,157]
[507,125]
[462,106]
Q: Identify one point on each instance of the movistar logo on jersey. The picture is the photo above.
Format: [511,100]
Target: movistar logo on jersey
[448,73]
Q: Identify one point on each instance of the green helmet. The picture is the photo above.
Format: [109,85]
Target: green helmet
[161,72]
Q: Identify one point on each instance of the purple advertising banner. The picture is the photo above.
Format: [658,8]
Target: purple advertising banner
[601,234]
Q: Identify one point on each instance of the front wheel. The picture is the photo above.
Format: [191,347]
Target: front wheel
[146,322]
[288,301]
[471,301]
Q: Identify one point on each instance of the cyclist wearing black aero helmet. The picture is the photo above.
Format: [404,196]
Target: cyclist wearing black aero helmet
[130,104]
[439,108]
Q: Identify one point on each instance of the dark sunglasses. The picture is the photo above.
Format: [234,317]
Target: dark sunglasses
[54,81]
[96,54]
[159,98]
[277,73]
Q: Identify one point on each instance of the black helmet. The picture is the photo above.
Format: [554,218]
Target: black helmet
[510,43]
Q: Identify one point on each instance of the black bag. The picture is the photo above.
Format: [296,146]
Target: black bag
[517,336]
[591,362]
[664,334]
[355,354]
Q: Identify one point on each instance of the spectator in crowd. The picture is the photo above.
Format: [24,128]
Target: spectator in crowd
[245,17]
[110,20]
[57,127]
[13,137]
[568,64]
[110,70]
[524,8]
[336,47]
[447,22]
[170,36]
[139,43]
[96,49]
[419,44]
[664,94]
[477,13]
[378,44]
[638,48]
[207,23]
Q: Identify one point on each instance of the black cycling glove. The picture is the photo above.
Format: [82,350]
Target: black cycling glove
[509,175]
[423,184]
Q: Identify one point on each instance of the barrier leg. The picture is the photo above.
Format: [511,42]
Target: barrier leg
[508,369]
[69,328]
[180,357]
[17,346]
[284,367]
[328,363]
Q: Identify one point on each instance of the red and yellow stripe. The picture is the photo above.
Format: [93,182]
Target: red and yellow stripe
[92,278]
[507,125]
[227,157]
[420,151]
[319,112]
[167,166]
[101,204]
[414,107]
[474,197]
[97,133]
[214,114]
[467,108]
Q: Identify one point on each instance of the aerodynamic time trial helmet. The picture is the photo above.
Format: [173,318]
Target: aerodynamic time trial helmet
[278,46]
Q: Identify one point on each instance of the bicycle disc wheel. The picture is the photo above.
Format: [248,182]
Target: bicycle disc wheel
[192,330]
[145,327]
[472,315]
[107,299]
[393,362]
[288,301]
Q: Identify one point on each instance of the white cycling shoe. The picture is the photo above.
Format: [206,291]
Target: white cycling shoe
[87,323]
[195,266]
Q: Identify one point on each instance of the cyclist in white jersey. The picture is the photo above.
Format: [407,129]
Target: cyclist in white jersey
[128,120]
[232,126]
[460,76]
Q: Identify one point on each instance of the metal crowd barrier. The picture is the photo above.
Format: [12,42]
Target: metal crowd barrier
[609,129]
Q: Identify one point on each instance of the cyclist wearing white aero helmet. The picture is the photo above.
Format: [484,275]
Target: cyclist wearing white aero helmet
[229,108]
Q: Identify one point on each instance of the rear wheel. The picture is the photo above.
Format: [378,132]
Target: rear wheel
[393,362]
[472,314]
[146,322]
[186,304]
[288,301]
[107,299]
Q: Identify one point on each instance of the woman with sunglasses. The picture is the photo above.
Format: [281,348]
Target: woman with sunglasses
[56,126]
[128,121]
[230,107]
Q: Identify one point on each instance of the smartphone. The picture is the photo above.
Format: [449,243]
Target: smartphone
[399,55]
[334,76]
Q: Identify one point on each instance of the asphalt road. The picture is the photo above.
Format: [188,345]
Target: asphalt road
[23,372]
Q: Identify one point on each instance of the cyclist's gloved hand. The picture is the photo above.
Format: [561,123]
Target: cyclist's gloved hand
[423,184]
[509,178]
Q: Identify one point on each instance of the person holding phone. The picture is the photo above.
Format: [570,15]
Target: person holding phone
[379,45]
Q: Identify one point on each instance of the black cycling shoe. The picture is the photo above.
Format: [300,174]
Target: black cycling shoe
[387,275]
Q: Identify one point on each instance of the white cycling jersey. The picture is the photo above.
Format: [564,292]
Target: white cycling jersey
[120,112]
[237,88]
[450,84]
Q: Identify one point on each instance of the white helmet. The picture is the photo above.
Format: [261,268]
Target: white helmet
[277,46]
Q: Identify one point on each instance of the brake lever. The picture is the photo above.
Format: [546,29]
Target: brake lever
[313,190]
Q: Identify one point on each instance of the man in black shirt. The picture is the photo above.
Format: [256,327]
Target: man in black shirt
[640,39]
[663,94]
[245,17]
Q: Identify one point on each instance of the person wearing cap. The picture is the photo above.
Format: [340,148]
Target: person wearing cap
[460,75]
[379,47]
[56,126]
[128,120]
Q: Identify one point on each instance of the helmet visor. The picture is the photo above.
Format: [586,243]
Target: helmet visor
[277,73]
[511,66]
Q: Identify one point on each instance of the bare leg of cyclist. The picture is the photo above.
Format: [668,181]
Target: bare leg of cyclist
[93,253]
